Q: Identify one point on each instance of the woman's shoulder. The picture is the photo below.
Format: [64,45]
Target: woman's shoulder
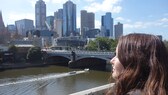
[135,92]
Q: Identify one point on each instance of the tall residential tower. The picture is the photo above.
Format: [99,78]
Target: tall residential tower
[23,26]
[40,15]
[107,25]
[69,19]
[87,22]
[118,30]
[58,22]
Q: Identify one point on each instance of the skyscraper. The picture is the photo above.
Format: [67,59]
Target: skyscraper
[118,30]
[69,19]
[107,25]
[50,22]
[40,15]
[58,14]
[87,22]
[23,26]
[58,22]
[2,26]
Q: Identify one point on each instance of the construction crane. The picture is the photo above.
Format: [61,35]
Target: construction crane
[48,26]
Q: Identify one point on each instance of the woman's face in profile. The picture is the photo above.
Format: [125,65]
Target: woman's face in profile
[117,67]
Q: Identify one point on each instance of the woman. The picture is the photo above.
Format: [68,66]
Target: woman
[140,66]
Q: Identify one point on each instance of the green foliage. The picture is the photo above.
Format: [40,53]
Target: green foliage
[34,54]
[113,45]
[13,49]
[92,46]
[102,44]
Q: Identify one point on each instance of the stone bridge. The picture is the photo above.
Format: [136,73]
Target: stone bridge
[79,59]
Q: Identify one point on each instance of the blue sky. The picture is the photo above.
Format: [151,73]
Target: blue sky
[138,16]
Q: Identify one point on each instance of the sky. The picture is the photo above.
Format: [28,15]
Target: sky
[137,16]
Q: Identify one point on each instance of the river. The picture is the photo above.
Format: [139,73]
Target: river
[51,80]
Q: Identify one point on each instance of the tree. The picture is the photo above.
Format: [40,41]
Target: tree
[91,46]
[102,44]
[13,49]
[34,54]
[113,45]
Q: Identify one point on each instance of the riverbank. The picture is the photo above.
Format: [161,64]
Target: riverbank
[7,66]
[23,65]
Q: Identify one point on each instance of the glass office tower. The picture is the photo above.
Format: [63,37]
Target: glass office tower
[69,19]
[40,15]
[107,25]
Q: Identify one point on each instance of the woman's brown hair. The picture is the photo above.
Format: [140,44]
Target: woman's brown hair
[145,60]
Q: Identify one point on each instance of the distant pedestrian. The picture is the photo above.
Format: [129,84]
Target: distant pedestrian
[73,56]
[140,66]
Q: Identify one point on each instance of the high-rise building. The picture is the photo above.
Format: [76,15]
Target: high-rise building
[118,30]
[23,26]
[58,14]
[11,28]
[87,22]
[107,25]
[50,22]
[58,22]
[69,19]
[40,15]
[2,26]
[58,27]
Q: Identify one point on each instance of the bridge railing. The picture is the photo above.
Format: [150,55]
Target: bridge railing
[92,52]
[57,51]
[80,52]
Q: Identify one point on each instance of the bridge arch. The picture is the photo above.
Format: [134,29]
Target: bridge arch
[96,57]
[58,60]
[96,63]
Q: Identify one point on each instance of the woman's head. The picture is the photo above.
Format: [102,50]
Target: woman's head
[143,58]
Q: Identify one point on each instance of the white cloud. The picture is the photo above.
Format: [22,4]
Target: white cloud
[104,6]
[89,0]
[58,1]
[116,9]
[122,19]
[97,24]
[138,25]
[128,26]
[46,1]
[164,20]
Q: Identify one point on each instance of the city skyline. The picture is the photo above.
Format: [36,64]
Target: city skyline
[137,16]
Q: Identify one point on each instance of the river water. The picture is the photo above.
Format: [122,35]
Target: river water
[51,80]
